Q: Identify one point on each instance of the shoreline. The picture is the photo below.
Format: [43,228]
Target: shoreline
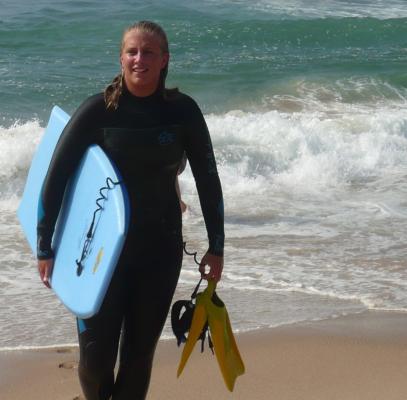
[331,322]
[360,356]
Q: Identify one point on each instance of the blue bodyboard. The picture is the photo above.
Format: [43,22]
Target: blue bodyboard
[96,179]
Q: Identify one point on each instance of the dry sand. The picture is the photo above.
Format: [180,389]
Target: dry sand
[360,357]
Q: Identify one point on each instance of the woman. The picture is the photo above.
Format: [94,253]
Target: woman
[145,129]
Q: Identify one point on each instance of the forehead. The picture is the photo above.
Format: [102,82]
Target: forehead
[138,38]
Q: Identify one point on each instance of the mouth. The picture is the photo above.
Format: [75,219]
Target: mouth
[139,70]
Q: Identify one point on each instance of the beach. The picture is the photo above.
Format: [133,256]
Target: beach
[306,105]
[358,357]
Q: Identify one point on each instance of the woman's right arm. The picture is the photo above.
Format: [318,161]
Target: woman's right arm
[75,139]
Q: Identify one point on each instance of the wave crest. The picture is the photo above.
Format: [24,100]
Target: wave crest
[18,143]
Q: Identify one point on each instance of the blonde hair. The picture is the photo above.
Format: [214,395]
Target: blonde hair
[114,90]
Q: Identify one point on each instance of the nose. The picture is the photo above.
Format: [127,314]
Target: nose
[136,56]
[139,56]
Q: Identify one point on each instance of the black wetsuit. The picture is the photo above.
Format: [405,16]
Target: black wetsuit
[146,138]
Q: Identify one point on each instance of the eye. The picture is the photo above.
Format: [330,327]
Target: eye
[132,52]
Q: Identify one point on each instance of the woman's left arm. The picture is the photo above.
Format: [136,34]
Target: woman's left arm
[201,157]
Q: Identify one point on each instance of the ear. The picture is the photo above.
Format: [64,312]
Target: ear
[165,60]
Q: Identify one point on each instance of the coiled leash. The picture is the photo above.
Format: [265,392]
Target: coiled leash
[181,320]
[110,184]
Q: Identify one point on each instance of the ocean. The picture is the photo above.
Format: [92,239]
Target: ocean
[306,102]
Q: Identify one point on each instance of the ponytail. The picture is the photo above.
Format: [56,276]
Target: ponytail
[113,92]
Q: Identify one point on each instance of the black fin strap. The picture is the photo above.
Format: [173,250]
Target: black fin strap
[202,336]
[203,341]
[178,322]
[210,342]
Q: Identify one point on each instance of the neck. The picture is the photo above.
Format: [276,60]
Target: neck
[141,91]
[132,97]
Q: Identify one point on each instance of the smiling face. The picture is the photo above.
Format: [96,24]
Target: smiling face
[142,58]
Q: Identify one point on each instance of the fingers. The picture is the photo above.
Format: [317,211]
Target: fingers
[45,270]
[213,274]
[46,282]
[183,206]
[202,269]
[215,264]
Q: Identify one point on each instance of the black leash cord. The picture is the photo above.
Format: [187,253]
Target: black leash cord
[196,262]
[110,184]
[205,330]
[191,254]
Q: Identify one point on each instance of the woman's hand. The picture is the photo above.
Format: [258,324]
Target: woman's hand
[215,264]
[45,269]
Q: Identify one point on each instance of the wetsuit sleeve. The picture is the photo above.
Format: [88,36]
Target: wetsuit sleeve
[203,165]
[75,139]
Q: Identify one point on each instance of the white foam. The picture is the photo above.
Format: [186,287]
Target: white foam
[262,154]
[18,144]
[327,8]
[49,347]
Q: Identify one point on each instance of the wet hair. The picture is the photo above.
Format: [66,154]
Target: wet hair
[114,90]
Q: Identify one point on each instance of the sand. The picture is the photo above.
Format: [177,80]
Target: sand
[359,357]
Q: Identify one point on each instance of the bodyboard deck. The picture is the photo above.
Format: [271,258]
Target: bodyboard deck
[81,293]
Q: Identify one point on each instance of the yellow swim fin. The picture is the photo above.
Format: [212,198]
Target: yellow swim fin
[224,343]
[210,308]
[199,320]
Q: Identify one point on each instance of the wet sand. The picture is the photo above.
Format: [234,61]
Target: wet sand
[359,357]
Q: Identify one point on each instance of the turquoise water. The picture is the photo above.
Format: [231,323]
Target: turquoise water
[229,55]
[306,102]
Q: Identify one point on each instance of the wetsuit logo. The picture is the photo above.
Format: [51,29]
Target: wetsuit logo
[165,138]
